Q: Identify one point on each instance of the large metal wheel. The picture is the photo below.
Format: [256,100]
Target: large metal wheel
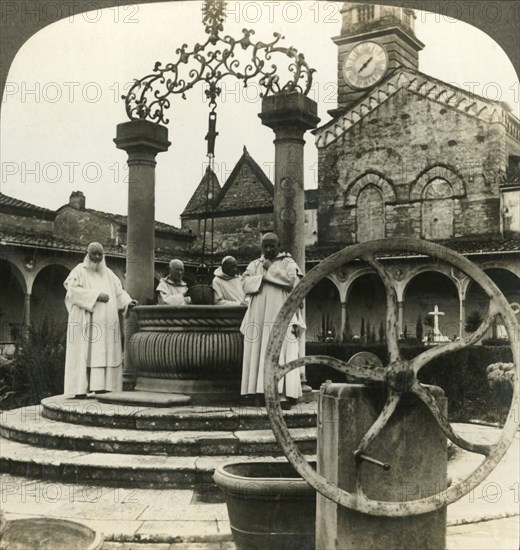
[399,376]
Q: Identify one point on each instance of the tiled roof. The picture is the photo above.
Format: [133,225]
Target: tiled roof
[464,246]
[48,241]
[199,202]
[123,220]
[27,206]
[314,254]
[483,246]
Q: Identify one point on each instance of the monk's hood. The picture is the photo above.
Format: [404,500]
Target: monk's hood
[221,275]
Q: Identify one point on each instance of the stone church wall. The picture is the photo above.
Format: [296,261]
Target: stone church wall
[392,148]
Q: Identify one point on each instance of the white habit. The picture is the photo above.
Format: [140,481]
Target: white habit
[228,290]
[93,358]
[267,296]
[171,293]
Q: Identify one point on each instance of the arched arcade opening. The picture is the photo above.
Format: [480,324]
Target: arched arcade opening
[366,307]
[323,311]
[48,296]
[12,302]
[425,291]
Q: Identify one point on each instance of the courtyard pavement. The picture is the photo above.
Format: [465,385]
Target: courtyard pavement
[487,518]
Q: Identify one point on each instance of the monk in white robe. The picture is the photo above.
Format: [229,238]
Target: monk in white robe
[172,290]
[227,285]
[268,281]
[93,360]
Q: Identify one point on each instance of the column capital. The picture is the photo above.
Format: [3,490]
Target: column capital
[290,112]
[142,136]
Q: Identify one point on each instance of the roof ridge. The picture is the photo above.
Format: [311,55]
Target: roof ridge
[414,82]
[261,176]
[13,201]
[194,206]
[125,217]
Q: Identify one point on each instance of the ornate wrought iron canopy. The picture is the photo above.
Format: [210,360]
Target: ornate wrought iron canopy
[211,62]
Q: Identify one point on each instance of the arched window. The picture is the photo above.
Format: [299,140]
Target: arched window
[437,210]
[370,213]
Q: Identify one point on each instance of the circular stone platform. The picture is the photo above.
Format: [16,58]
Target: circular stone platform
[144,398]
[93,412]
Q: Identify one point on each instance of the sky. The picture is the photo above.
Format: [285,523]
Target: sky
[62,100]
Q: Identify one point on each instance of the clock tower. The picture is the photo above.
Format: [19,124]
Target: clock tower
[374,41]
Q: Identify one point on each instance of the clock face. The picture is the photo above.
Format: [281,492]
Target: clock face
[365,65]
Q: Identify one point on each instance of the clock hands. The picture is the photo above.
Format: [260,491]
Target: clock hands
[365,64]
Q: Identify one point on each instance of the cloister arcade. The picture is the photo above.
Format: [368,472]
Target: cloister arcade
[355,295]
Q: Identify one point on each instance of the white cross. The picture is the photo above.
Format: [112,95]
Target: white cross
[436,314]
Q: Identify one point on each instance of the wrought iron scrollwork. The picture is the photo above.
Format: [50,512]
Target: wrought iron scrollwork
[211,62]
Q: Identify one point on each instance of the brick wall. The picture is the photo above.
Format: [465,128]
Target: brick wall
[85,226]
[231,234]
[24,224]
[398,142]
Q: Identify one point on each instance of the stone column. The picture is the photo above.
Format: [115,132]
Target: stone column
[400,314]
[142,140]
[289,115]
[343,318]
[414,446]
[27,313]
[462,317]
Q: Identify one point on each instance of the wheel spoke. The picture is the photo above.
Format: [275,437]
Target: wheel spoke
[433,353]
[392,309]
[427,398]
[355,373]
[384,416]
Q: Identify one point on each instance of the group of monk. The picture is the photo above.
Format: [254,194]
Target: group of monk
[95,295]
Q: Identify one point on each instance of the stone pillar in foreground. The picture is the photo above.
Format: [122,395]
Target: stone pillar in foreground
[142,140]
[289,115]
[414,446]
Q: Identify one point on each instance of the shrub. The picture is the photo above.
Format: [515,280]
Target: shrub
[37,368]
[495,342]
[501,379]
[473,321]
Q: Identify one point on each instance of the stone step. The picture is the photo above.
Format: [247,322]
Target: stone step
[91,412]
[115,469]
[28,425]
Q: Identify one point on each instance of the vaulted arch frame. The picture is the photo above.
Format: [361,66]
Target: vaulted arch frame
[368,195]
[437,210]
[437,188]
[441,172]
